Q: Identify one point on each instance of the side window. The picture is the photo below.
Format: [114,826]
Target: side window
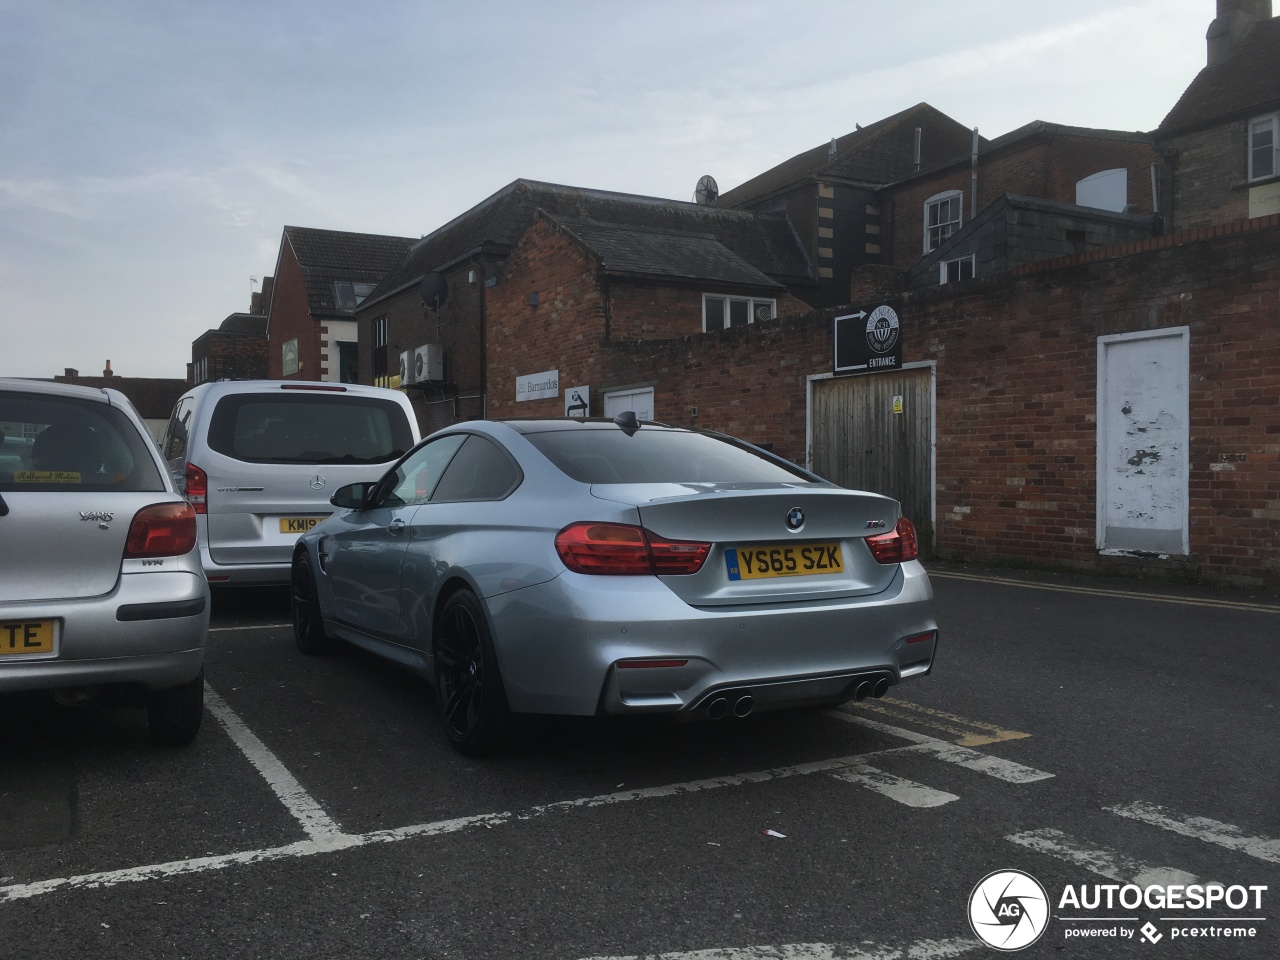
[175,438]
[942,217]
[415,479]
[480,471]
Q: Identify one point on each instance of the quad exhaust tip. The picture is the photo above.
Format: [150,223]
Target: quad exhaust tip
[743,705]
[735,702]
[717,708]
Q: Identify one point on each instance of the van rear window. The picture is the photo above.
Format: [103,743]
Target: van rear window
[321,428]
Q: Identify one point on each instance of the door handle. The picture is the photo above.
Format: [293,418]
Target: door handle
[396,525]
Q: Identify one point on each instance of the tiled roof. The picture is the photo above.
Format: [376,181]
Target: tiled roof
[879,153]
[329,256]
[1246,83]
[766,242]
[153,397]
[623,249]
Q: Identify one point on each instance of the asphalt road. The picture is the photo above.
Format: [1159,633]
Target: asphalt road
[1085,732]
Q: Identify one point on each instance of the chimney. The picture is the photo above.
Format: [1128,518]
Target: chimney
[70,372]
[107,372]
[1234,20]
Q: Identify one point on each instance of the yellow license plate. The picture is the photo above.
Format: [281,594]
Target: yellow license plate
[783,560]
[25,636]
[298,524]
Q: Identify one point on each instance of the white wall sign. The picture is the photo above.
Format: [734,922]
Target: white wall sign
[535,386]
[577,401]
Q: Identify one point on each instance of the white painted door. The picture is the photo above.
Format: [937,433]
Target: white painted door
[640,401]
[1143,435]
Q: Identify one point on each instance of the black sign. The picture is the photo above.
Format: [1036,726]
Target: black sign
[868,339]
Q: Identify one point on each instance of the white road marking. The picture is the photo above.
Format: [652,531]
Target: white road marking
[920,950]
[1202,828]
[1100,592]
[907,792]
[966,757]
[1101,860]
[317,824]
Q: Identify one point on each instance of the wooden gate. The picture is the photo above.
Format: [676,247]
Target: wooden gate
[875,432]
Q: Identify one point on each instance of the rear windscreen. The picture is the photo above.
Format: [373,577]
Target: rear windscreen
[658,456]
[50,443]
[322,428]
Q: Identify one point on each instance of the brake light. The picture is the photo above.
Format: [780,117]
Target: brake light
[197,488]
[623,549]
[161,530]
[896,547]
[312,386]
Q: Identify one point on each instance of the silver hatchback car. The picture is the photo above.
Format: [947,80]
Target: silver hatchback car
[101,592]
[583,567]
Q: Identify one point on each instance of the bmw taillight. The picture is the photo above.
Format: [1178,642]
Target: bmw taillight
[161,530]
[197,488]
[624,549]
[896,547]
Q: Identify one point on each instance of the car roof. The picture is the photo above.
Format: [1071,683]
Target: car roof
[53,388]
[546,424]
[272,386]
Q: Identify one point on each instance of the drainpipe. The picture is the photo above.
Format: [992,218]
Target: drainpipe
[973,178]
[484,355]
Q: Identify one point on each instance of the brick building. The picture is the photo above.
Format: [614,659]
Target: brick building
[153,397]
[237,350]
[321,276]
[1221,140]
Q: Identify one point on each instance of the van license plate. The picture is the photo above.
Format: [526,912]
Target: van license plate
[298,524]
[783,560]
[25,636]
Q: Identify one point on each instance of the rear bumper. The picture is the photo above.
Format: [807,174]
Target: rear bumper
[241,574]
[149,631]
[559,645]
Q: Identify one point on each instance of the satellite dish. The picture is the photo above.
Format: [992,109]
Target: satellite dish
[435,290]
[706,191]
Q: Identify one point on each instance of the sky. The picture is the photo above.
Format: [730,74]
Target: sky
[152,151]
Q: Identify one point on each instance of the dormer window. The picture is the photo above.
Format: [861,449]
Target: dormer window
[351,295]
[941,217]
[1264,145]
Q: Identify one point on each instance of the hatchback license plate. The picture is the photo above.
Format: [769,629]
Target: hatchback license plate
[298,524]
[783,560]
[25,636]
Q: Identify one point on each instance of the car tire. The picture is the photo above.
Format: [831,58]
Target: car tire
[308,623]
[174,714]
[473,703]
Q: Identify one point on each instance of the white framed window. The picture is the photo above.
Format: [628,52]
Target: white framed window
[1264,147]
[942,217]
[350,295]
[720,312]
[380,332]
[961,268]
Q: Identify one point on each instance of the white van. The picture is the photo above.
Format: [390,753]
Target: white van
[259,459]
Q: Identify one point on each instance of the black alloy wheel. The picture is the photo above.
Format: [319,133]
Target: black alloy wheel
[473,704]
[308,624]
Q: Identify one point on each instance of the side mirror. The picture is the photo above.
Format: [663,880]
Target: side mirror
[353,496]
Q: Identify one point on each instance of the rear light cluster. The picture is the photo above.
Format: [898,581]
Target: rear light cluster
[161,530]
[896,547]
[197,488]
[623,549]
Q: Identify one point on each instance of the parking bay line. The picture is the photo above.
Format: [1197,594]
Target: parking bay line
[1202,828]
[326,836]
[1101,860]
[981,735]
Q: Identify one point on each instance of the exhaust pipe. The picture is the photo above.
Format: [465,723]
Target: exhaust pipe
[881,688]
[862,691]
[743,705]
[717,708]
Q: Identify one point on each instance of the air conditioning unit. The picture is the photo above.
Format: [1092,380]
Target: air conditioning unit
[428,364]
[406,367]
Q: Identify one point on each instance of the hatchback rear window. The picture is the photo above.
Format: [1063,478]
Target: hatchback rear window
[324,428]
[52,443]
[658,456]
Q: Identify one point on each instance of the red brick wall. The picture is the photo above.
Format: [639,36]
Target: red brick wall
[290,318]
[1210,174]
[1045,167]
[1016,361]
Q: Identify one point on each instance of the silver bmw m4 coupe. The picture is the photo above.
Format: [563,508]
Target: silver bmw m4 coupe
[617,567]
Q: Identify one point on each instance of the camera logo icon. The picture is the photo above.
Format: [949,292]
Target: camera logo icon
[1009,910]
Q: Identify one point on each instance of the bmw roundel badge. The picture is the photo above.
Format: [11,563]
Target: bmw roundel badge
[795,519]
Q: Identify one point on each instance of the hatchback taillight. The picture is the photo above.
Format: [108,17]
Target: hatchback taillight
[623,549]
[896,547]
[197,488]
[161,530]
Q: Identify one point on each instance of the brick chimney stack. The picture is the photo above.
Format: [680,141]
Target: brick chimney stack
[1235,18]
[107,372]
